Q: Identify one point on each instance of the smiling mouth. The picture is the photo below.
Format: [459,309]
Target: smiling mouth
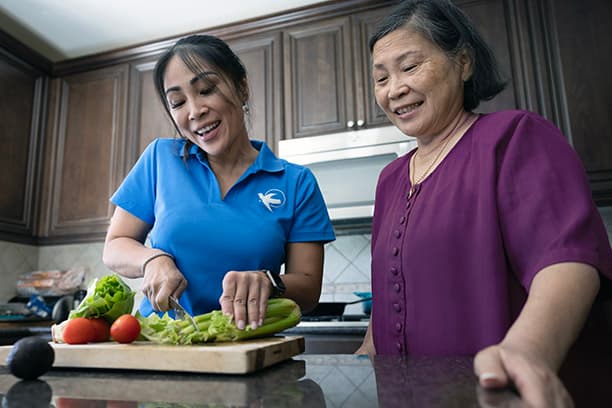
[207,129]
[408,108]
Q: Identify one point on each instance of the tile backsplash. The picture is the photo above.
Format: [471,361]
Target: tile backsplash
[347,264]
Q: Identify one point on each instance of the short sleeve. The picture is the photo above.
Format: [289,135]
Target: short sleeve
[311,220]
[136,194]
[547,213]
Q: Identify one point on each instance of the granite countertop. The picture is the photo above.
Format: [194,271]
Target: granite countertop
[304,381]
[310,380]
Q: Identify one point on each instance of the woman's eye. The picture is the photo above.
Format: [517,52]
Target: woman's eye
[175,104]
[208,91]
[409,68]
[380,79]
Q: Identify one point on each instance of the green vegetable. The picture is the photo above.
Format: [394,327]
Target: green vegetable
[281,314]
[108,297]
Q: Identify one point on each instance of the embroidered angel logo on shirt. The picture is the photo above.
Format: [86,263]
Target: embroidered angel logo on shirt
[272,198]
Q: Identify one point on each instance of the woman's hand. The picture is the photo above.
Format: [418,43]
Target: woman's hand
[500,366]
[367,346]
[245,297]
[162,279]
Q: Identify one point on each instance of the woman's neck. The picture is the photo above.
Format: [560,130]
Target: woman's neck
[429,145]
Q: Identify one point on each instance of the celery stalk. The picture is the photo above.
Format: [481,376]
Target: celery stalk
[281,314]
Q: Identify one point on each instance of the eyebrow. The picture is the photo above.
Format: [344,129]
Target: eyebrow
[401,57]
[192,81]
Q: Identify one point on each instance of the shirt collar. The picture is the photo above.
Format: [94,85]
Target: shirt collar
[266,159]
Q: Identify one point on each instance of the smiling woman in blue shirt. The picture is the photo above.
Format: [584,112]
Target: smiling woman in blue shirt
[219,209]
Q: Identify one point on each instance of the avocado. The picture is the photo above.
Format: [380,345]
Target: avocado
[30,358]
[28,393]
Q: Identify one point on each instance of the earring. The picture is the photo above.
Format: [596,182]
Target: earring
[245,109]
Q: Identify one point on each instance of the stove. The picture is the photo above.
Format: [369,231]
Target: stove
[331,334]
[341,318]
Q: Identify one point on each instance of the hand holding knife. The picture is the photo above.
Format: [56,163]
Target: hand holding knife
[181,313]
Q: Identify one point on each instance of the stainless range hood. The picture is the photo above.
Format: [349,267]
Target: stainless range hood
[347,166]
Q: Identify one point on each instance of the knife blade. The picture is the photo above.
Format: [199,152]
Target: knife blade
[181,313]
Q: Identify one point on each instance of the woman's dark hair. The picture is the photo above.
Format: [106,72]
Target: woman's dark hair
[451,30]
[196,52]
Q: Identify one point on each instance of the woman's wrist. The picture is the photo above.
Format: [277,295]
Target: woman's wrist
[156,255]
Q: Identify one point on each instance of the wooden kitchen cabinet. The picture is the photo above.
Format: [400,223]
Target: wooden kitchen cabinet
[147,118]
[69,141]
[20,108]
[582,74]
[261,56]
[86,144]
[328,86]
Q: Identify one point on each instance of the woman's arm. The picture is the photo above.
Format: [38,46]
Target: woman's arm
[534,348]
[245,293]
[124,250]
[125,253]
[304,273]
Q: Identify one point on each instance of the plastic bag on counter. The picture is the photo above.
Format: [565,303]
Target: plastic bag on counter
[51,283]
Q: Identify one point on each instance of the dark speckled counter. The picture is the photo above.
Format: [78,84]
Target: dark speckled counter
[315,380]
[305,381]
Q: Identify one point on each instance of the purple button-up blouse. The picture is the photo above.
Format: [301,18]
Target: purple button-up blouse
[451,266]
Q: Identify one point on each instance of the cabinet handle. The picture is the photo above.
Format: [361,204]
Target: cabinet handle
[350,124]
[360,123]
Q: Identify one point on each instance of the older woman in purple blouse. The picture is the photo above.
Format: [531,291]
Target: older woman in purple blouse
[485,238]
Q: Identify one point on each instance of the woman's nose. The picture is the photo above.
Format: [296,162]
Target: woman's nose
[196,110]
[397,88]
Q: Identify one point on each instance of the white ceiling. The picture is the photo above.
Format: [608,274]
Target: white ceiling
[64,29]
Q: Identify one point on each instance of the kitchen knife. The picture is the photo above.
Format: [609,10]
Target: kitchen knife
[181,313]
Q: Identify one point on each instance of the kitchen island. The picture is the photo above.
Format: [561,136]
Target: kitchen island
[304,381]
[340,380]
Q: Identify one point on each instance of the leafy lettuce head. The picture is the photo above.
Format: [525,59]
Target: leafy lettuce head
[108,297]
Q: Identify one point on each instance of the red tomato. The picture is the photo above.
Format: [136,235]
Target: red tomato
[125,329]
[101,329]
[78,331]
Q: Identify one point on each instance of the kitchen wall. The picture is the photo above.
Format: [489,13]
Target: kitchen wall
[347,264]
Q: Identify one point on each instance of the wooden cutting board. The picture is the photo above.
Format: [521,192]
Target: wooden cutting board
[225,358]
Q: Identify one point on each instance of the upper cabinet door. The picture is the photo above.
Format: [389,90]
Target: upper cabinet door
[20,106]
[261,56]
[585,64]
[147,119]
[368,112]
[319,94]
[87,153]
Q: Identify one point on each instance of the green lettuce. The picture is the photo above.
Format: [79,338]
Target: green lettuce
[108,297]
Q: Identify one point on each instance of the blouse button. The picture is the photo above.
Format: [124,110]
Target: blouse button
[399,346]
[395,251]
[397,307]
[402,220]
[398,327]
[397,287]
[394,270]
[397,233]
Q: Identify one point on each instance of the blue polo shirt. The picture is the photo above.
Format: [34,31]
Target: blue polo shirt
[273,203]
